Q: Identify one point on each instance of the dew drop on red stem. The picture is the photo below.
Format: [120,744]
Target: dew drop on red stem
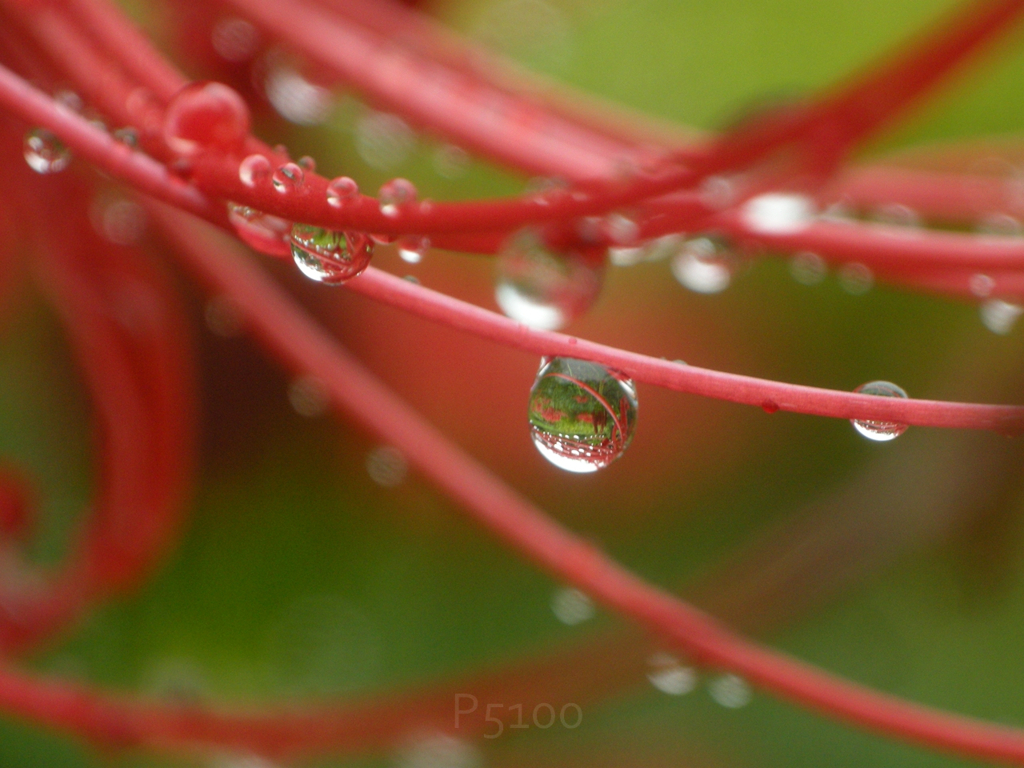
[544,288]
[341,189]
[44,152]
[669,675]
[730,691]
[880,431]
[260,231]
[582,415]
[254,170]
[395,194]
[413,248]
[778,213]
[206,115]
[571,606]
[288,178]
[328,256]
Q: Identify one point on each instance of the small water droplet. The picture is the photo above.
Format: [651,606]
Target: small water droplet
[307,163]
[387,466]
[778,213]
[897,215]
[1000,225]
[856,279]
[329,256]
[383,141]
[582,415]
[704,265]
[309,396]
[621,229]
[571,606]
[294,97]
[69,100]
[545,190]
[127,136]
[413,248]
[341,189]
[808,268]
[253,170]
[981,285]
[205,116]
[44,152]
[411,279]
[542,288]
[234,39]
[999,316]
[396,194]
[670,676]
[260,231]
[880,431]
[769,406]
[730,691]
[287,178]
[451,161]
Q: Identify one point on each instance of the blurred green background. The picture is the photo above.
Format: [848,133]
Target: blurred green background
[301,576]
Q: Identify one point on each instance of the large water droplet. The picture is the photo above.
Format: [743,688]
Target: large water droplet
[880,431]
[205,116]
[704,265]
[253,170]
[260,231]
[395,194]
[669,676]
[778,213]
[571,606]
[582,415]
[44,152]
[341,189]
[413,248]
[287,178]
[543,288]
[329,256]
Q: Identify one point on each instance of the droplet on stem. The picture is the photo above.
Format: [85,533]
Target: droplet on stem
[670,676]
[254,170]
[287,178]
[880,431]
[44,152]
[328,256]
[571,606]
[808,268]
[778,213]
[582,415]
[413,248]
[341,189]
[260,231]
[395,194]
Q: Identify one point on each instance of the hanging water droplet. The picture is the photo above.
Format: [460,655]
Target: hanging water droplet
[329,256]
[704,265]
[395,194]
[582,415]
[341,189]
[260,231]
[999,316]
[880,431]
[413,248]
[730,691]
[253,170]
[309,396]
[571,606]
[383,141]
[44,152]
[205,116]
[856,279]
[307,163]
[386,466]
[778,213]
[287,178]
[670,676]
[981,285]
[808,268]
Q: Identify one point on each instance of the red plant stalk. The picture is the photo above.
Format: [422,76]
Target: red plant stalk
[138,370]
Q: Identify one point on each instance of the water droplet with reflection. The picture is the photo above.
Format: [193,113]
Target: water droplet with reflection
[880,431]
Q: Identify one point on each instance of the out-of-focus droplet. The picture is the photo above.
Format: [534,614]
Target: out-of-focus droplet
[981,285]
[341,189]
[778,213]
[235,39]
[69,100]
[395,194]
[880,431]
[897,215]
[288,178]
[718,192]
[808,268]
[582,415]
[307,163]
[177,680]
[387,466]
[44,152]
[1000,225]
[294,97]
[328,256]
[413,248]
[243,761]
[260,231]
[438,750]
[223,317]
[669,675]
[999,316]
[856,279]
[621,229]
[205,116]
[254,170]
[704,265]
[118,219]
[571,606]
[730,691]
[451,161]
[309,396]
[542,288]
[383,141]
[127,136]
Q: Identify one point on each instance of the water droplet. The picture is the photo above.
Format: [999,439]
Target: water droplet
[235,39]
[730,691]
[704,265]
[582,415]
[309,396]
[880,431]
[999,316]
[897,215]
[127,136]
[205,116]
[778,213]
[395,194]
[571,606]
[288,177]
[382,239]
[1000,225]
[545,190]
[260,231]
[856,279]
[243,761]
[329,256]
[383,141]
[981,285]
[451,161]
[294,97]
[670,676]
[621,229]
[69,100]
[223,317]
[386,466]
[44,152]
[307,163]
[341,189]
[413,248]
[718,192]
[438,750]
[808,268]
[253,170]
[118,219]
[542,288]
[411,279]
